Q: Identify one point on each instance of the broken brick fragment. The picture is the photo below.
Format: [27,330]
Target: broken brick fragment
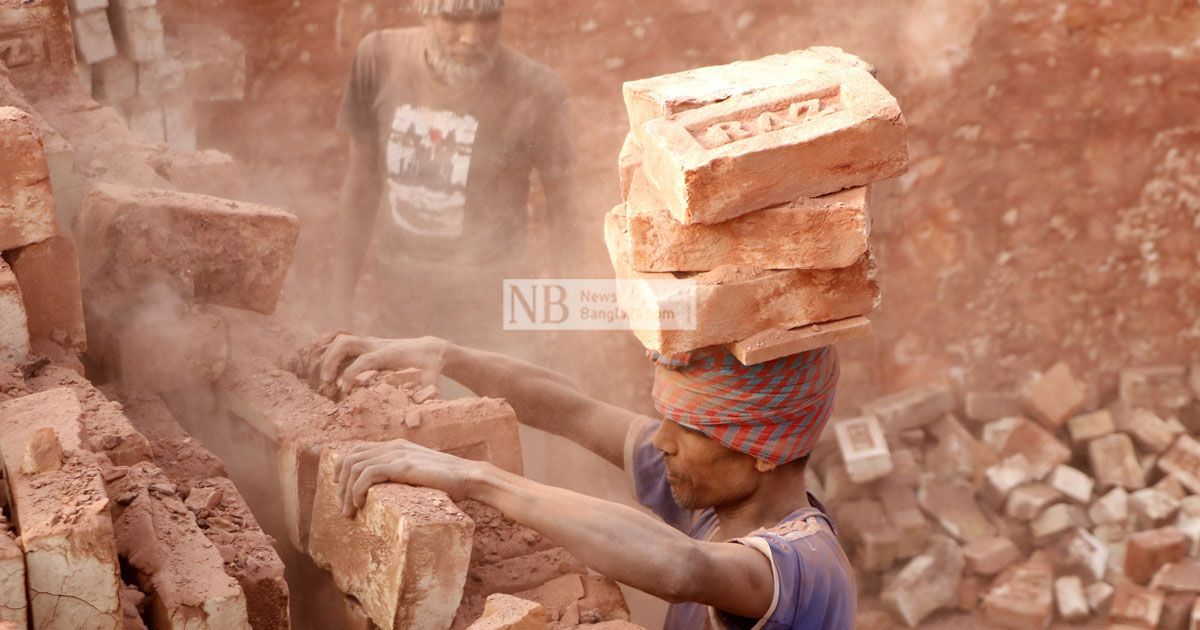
[1056,396]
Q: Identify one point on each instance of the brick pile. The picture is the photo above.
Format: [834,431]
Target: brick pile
[154,74]
[751,180]
[95,501]
[1024,508]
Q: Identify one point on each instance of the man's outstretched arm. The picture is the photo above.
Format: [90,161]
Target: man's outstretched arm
[620,542]
[542,399]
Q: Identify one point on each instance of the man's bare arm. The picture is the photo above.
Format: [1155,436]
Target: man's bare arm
[542,399]
[360,197]
[619,542]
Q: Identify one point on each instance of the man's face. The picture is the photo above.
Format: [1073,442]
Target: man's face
[701,471]
[467,42]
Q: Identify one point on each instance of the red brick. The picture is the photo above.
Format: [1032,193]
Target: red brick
[1182,576]
[671,94]
[1146,552]
[404,556]
[1080,553]
[138,30]
[1038,445]
[505,612]
[900,504]
[1002,478]
[1068,595]
[830,232]
[733,303]
[1114,462]
[1164,389]
[14,329]
[212,250]
[1056,396]
[926,584]
[1022,598]
[835,128]
[989,556]
[982,407]
[873,537]
[1177,611]
[1089,426]
[26,202]
[38,41]
[1182,461]
[911,408]
[1027,502]
[48,273]
[774,344]
[952,504]
[1153,507]
[93,37]
[1151,432]
[1136,605]
[1056,520]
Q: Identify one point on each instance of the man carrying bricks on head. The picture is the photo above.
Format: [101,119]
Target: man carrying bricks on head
[743,545]
[447,125]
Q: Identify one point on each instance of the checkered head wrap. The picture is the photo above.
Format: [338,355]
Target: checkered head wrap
[430,8]
[772,411]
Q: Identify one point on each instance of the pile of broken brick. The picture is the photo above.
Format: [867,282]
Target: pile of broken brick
[751,182]
[1032,507]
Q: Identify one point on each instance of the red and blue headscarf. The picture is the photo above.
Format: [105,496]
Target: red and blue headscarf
[772,411]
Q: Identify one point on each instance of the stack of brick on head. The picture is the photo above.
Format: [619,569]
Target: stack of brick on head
[752,181]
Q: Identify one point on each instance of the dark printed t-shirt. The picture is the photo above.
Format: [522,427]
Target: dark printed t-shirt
[814,583]
[456,161]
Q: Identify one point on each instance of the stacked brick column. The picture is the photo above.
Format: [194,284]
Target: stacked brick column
[155,74]
[750,180]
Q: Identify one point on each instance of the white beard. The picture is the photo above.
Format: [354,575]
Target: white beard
[457,74]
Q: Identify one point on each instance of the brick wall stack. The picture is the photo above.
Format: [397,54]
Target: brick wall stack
[155,73]
[41,306]
[751,181]
[1063,506]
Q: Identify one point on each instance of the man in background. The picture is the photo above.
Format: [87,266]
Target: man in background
[447,125]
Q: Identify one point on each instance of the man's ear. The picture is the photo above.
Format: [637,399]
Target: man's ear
[764,466]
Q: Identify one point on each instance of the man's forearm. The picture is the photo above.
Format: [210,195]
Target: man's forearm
[619,542]
[542,399]
[535,393]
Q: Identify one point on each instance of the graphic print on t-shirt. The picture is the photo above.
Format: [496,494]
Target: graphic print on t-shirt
[428,160]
